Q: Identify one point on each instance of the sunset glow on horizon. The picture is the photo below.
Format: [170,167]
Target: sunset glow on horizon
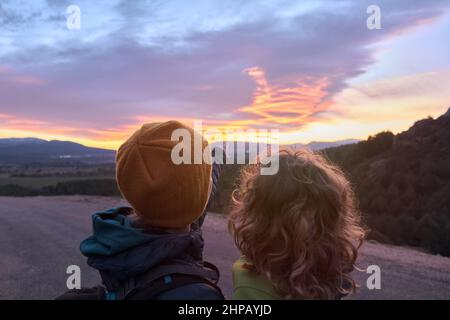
[314,71]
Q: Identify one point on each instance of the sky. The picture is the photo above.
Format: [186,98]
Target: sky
[311,69]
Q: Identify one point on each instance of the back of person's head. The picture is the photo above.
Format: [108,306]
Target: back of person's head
[299,227]
[164,195]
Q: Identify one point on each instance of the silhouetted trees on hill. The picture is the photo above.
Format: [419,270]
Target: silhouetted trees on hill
[97,187]
[403,184]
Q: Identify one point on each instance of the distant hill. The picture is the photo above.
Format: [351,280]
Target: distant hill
[403,183]
[314,145]
[320,145]
[9,142]
[31,150]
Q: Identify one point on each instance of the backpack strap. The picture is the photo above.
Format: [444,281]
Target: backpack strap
[185,274]
[167,283]
[211,266]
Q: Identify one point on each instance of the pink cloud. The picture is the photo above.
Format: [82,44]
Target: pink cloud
[12,77]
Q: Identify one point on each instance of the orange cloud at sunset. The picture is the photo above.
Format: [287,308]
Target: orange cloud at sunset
[358,111]
[292,105]
[272,107]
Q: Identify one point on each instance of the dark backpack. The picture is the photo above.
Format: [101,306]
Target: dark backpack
[153,283]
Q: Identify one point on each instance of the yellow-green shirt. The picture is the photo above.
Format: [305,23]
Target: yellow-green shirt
[249,285]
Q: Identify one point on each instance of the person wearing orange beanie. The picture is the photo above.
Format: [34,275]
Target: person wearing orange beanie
[154,249]
[163,194]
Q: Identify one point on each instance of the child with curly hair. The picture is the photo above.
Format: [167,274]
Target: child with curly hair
[299,231]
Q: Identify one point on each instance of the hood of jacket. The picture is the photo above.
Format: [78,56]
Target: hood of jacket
[119,250]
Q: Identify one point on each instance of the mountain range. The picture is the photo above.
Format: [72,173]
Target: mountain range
[320,145]
[34,150]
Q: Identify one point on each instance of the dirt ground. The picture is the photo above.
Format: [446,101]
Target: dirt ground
[40,238]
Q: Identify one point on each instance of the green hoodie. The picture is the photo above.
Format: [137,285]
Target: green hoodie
[249,285]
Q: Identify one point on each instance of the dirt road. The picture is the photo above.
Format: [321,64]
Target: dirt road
[39,238]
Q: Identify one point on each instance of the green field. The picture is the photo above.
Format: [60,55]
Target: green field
[39,182]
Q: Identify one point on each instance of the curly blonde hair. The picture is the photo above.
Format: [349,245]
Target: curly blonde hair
[300,227]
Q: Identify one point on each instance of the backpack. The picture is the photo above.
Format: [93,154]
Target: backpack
[151,284]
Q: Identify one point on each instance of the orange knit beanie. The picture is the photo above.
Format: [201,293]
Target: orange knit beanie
[163,194]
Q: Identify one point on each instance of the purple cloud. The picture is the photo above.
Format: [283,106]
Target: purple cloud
[109,83]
